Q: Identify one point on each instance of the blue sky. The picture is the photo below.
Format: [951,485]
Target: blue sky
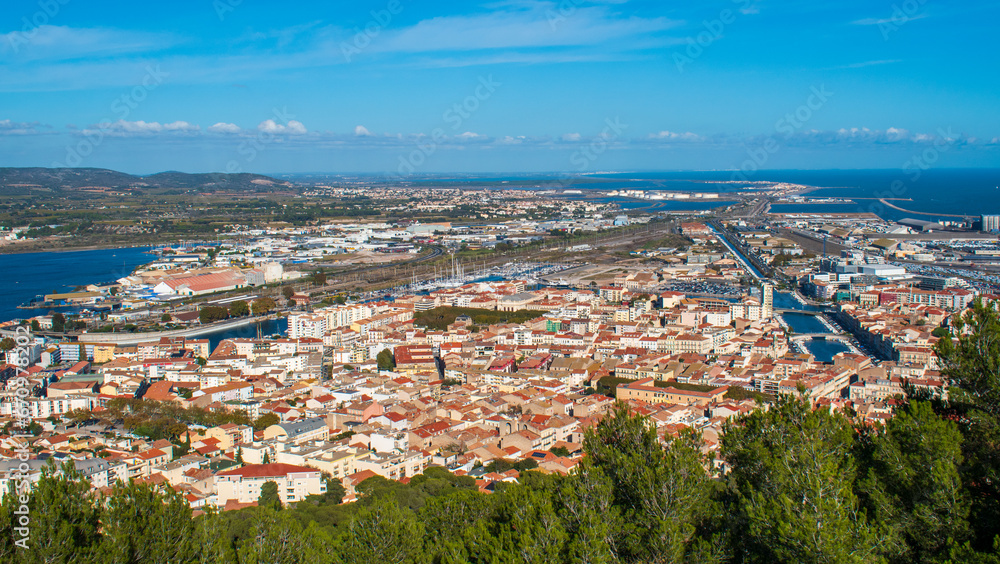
[397,86]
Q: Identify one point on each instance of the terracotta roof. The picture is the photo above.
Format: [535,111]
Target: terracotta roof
[266,470]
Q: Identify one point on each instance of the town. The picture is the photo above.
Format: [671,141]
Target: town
[484,374]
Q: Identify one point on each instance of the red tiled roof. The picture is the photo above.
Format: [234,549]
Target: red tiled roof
[266,470]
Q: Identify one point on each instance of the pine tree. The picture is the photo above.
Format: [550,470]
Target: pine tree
[269,496]
[143,523]
[792,478]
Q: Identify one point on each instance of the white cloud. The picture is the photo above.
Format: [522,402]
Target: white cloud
[223,127]
[509,140]
[8,127]
[571,137]
[674,136]
[885,21]
[470,136]
[293,127]
[123,128]
[362,131]
[56,43]
[524,24]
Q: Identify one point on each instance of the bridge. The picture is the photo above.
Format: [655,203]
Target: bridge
[822,336]
[802,311]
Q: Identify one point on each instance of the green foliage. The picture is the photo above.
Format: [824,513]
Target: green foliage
[501,465]
[792,482]
[209,314]
[664,491]
[165,420]
[913,487]
[263,306]
[972,361]
[440,318]
[383,532]
[560,451]
[239,308]
[58,322]
[265,421]
[133,522]
[269,496]
[385,360]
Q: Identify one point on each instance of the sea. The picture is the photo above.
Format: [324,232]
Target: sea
[27,275]
[933,191]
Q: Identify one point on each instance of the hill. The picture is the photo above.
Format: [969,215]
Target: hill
[25,180]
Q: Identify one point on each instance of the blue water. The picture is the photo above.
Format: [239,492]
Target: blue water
[824,350]
[943,191]
[267,328]
[30,274]
[784,300]
[803,323]
[936,190]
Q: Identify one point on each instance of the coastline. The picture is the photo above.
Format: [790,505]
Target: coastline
[6,250]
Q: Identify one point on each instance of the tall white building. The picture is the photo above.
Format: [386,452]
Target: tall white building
[767,301]
[991,222]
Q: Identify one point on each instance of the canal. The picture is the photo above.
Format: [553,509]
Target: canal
[824,350]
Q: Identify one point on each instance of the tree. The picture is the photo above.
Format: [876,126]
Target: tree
[239,308]
[913,486]
[335,490]
[383,532]
[275,537]
[288,292]
[208,314]
[64,522]
[35,325]
[263,306]
[792,478]
[114,290]
[265,421]
[7,344]
[269,496]
[58,322]
[385,360]
[971,360]
[133,524]
[239,456]
[165,318]
[663,491]
[319,279]
[560,451]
